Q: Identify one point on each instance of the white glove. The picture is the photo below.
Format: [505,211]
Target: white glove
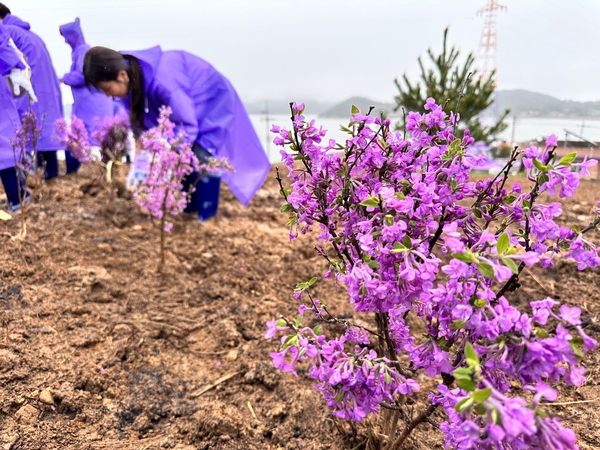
[18,81]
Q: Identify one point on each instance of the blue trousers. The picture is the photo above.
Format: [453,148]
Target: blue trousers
[205,199]
[72,163]
[11,186]
[51,162]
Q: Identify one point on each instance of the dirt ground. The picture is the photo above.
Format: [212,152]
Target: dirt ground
[99,351]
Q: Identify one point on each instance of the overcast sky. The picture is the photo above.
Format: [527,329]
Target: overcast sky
[331,49]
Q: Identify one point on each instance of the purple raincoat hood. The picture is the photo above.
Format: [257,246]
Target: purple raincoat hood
[149,60]
[15,21]
[72,34]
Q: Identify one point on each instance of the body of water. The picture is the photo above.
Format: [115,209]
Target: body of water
[523,129]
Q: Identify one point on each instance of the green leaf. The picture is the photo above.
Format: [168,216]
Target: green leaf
[540,333]
[312,281]
[355,109]
[286,207]
[373,264]
[471,355]
[503,243]
[465,257]
[399,248]
[464,405]
[480,303]
[302,285]
[407,241]
[339,396]
[318,330]
[480,409]
[477,213]
[511,265]
[567,159]
[388,378]
[298,321]
[463,373]
[507,200]
[485,269]
[481,395]
[467,385]
[291,341]
[495,416]
[281,323]
[539,165]
[455,145]
[389,220]
[458,324]
[371,201]
[576,349]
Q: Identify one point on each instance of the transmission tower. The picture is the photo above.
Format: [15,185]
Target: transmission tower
[488,43]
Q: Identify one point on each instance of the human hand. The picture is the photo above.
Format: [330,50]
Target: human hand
[19,81]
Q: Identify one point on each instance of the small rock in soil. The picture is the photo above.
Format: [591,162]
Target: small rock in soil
[27,414]
[47,397]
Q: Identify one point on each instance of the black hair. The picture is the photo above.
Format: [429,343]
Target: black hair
[103,64]
[3,10]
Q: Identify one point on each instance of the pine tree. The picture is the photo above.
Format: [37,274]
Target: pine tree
[444,83]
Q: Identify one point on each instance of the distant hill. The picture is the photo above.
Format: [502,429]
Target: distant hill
[343,109]
[524,103]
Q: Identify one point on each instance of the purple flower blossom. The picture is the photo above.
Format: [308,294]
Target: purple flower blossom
[551,141]
[74,137]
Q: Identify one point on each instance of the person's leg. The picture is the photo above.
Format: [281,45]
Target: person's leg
[51,162]
[207,188]
[11,186]
[72,163]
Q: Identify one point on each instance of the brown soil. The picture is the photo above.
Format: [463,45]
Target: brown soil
[99,351]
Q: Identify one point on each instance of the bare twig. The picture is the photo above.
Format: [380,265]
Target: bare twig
[205,389]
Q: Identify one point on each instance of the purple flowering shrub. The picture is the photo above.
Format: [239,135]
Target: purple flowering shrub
[407,233]
[24,146]
[73,136]
[171,160]
[112,137]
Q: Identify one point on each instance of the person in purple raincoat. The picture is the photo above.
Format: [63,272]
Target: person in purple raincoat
[205,106]
[89,105]
[10,67]
[48,108]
